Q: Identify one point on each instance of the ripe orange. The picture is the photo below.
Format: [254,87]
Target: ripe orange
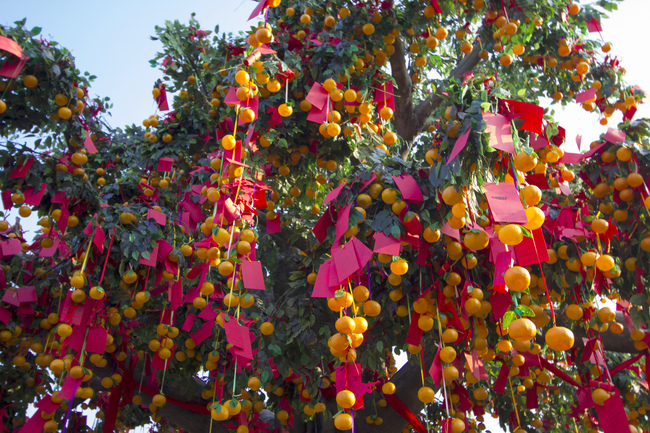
[559,338]
[522,329]
[517,278]
[346,399]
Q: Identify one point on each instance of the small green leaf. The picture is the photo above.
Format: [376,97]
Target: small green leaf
[525,311]
[508,318]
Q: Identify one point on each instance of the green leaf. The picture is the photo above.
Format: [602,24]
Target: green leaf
[396,232]
[380,346]
[638,299]
[508,318]
[525,311]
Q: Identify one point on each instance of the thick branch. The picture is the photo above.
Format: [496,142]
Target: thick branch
[411,121]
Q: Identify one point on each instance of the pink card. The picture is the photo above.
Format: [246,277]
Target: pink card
[614,135]
[253,275]
[345,261]
[162,99]
[322,288]
[11,247]
[26,294]
[571,158]
[612,414]
[538,141]
[261,4]
[592,151]
[318,115]
[5,315]
[588,95]
[238,336]
[593,25]
[532,251]
[504,203]
[385,96]
[11,46]
[152,260]
[342,222]
[408,188]
[159,217]
[447,230]
[476,365]
[386,244]
[21,169]
[363,253]
[317,96]
[11,298]
[531,398]
[165,164]
[503,263]
[69,388]
[333,194]
[88,143]
[498,127]
[274,225]
[189,321]
[33,198]
[460,144]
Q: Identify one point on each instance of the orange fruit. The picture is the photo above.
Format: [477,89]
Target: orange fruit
[517,278]
[522,329]
[511,234]
[559,338]
[346,399]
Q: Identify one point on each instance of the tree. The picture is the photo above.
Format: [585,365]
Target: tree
[344,181]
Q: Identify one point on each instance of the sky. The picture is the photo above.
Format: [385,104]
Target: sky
[111,40]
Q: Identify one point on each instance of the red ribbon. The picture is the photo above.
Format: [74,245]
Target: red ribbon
[405,412]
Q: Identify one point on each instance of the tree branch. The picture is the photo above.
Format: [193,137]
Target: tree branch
[411,121]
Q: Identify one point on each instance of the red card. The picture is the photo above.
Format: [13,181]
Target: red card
[414,336]
[498,127]
[253,275]
[69,388]
[409,188]
[592,151]
[12,69]
[500,384]
[504,203]
[33,198]
[531,114]
[175,294]
[165,164]
[386,244]
[593,25]
[435,371]
[460,144]
[261,4]
[204,332]
[238,336]
[325,221]
[500,303]
[333,194]
[532,251]
[21,169]
[318,115]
